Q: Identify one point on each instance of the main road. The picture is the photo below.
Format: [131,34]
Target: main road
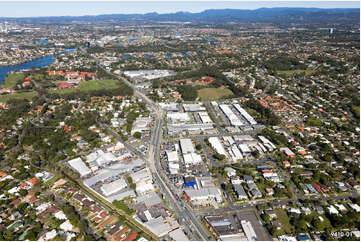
[193,227]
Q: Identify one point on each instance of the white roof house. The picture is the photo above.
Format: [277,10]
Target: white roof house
[332,209]
[66,226]
[230,171]
[113,187]
[60,215]
[340,207]
[355,207]
[50,235]
[78,165]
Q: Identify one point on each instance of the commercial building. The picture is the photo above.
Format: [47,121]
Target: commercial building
[204,195]
[223,228]
[141,124]
[172,156]
[175,129]
[170,107]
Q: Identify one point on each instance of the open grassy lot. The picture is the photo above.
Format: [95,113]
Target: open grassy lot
[285,220]
[291,72]
[90,86]
[12,79]
[208,94]
[20,95]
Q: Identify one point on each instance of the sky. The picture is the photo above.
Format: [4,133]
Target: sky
[80,8]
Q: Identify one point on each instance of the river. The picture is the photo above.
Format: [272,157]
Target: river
[37,63]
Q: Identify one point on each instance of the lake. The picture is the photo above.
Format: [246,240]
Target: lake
[37,63]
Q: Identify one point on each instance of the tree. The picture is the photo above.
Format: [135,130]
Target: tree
[137,135]
[219,156]
[198,147]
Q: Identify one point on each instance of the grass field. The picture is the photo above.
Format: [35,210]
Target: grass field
[21,95]
[291,72]
[208,94]
[12,79]
[90,86]
[285,220]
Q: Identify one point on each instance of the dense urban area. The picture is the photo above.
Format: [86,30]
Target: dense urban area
[179,130]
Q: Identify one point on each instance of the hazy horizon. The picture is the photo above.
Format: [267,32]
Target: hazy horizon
[53,9]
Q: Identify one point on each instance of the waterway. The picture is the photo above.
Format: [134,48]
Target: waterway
[37,63]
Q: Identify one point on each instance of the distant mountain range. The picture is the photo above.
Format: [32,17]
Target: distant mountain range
[262,15]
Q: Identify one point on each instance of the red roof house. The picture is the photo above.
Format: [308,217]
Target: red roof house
[65,85]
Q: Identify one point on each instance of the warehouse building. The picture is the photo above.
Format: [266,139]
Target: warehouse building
[204,196]
[217,146]
[186,146]
[205,118]
[233,119]
[113,187]
[248,230]
[192,159]
[245,114]
[193,107]
[78,165]
[178,117]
